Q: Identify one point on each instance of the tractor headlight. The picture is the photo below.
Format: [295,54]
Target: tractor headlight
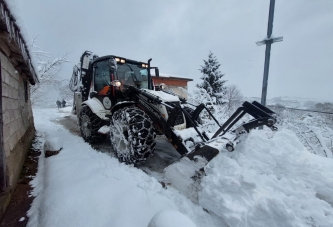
[116,83]
[162,86]
[120,60]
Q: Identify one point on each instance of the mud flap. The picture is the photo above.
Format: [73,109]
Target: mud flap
[187,172]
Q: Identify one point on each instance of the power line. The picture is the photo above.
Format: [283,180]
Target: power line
[315,111]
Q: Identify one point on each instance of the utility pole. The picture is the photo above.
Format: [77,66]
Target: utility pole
[269,40]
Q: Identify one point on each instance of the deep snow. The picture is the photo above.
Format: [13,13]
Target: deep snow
[270,182]
[266,181]
[83,187]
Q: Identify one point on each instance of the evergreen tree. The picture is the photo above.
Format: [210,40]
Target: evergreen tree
[212,78]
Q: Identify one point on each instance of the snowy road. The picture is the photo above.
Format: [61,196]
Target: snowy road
[163,156]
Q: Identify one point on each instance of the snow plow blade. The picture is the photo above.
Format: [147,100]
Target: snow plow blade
[187,172]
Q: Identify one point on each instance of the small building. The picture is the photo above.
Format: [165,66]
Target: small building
[175,83]
[16,120]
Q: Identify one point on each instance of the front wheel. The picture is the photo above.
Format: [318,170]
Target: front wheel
[132,135]
[90,123]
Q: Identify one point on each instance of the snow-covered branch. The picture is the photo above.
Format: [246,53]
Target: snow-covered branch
[48,68]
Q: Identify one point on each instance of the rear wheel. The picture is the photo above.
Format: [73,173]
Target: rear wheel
[132,135]
[90,123]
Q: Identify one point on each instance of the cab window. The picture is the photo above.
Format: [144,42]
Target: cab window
[101,75]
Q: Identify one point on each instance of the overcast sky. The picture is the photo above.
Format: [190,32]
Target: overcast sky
[178,35]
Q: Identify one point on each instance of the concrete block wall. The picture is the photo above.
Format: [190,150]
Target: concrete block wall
[18,128]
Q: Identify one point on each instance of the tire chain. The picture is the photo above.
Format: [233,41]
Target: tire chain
[140,135]
[96,123]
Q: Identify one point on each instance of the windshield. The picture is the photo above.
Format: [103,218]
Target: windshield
[130,74]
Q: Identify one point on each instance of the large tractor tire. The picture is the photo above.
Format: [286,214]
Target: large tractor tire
[132,135]
[90,123]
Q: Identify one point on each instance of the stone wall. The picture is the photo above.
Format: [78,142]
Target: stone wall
[18,126]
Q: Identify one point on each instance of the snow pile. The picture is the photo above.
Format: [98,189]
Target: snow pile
[104,129]
[314,131]
[270,182]
[52,143]
[183,174]
[170,218]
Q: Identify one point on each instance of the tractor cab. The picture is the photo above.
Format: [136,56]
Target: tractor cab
[111,75]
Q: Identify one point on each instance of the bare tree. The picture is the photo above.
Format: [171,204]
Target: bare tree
[48,69]
[65,92]
[326,107]
[233,97]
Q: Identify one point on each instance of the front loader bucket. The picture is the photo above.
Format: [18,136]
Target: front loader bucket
[187,172]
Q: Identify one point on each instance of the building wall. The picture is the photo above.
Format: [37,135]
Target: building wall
[18,126]
[179,91]
[176,85]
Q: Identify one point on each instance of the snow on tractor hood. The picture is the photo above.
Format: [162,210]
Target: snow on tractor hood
[163,96]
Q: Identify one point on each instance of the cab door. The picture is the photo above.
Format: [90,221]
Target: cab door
[102,76]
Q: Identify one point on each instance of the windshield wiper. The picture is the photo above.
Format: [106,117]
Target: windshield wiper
[136,79]
[129,67]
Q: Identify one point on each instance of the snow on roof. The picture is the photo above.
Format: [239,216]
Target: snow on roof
[10,27]
[170,76]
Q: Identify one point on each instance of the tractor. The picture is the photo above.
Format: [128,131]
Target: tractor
[116,96]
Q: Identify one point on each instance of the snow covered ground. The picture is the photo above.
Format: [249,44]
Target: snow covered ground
[266,181]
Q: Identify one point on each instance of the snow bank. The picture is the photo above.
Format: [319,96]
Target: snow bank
[52,143]
[170,218]
[270,182]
